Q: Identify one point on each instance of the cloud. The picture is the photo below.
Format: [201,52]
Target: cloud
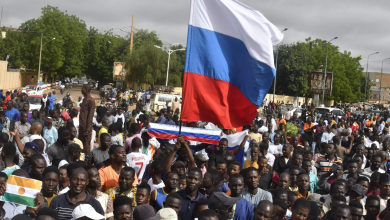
[362,26]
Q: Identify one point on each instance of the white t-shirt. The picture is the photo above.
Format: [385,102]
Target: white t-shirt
[153,186]
[275,149]
[270,158]
[138,161]
[147,106]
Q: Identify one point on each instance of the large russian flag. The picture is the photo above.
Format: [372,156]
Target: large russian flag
[229,62]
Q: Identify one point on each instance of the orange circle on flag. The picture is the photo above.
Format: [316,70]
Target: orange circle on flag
[21,191]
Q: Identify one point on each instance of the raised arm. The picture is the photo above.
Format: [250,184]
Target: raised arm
[191,160]
[17,139]
[348,150]
[170,158]
[237,150]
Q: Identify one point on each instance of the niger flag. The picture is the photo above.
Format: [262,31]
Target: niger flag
[21,190]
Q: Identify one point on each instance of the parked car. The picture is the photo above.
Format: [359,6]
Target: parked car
[35,102]
[33,90]
[334,111]
[158,100]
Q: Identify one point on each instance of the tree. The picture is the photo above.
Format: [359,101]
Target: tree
[12,45]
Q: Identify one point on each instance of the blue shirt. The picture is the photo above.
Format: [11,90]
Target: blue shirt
[313,183]
[2,96]
[187,211]
[224,187]
[51,135]
[160,198]
[54,98]
[51,102]
[171,122]
[244,210]
[11,114]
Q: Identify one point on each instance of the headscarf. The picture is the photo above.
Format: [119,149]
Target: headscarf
[66,116]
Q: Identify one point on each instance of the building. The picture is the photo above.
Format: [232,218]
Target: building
[375,78]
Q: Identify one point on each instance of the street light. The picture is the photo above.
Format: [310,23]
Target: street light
[40,53]
[169,57]
[380,85]
[276,67]
[326,63]
[365,87]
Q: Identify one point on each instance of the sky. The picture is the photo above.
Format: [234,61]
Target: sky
[362,26]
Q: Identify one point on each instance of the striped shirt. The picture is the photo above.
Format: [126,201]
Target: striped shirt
[64,207]
[324,164]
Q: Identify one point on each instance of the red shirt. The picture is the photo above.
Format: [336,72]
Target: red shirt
[8,98]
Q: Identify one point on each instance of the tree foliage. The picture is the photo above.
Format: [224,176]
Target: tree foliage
[297,60]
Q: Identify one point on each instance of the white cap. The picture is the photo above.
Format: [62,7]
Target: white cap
[62,163]
[86,210]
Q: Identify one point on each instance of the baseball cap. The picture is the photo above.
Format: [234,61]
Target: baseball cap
[315,197]
[144,212]
[86,210]
[48,119]
[166,214]
[359,189]
[75,148]
[33,146]
[201,157]
[219,199]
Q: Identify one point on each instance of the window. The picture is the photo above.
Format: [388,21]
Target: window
[164,98]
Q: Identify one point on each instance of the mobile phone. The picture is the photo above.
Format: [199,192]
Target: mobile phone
[12,125]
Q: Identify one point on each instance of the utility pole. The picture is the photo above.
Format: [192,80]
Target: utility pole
[132,35]
[1,18]
[40,55]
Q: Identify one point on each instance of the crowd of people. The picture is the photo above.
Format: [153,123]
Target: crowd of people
[333,168]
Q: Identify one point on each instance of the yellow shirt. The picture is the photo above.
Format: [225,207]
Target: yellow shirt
[250,163]
[48,199]
[77,141]
[301,196]
[101,131]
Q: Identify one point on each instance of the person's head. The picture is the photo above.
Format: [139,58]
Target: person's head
[303,182]
[236,184]
[63,135]
[106,122]
[276,138]
[93,177]
[357,193]
[183,182]
[105,140]
[376,161]
[201,205]
[126,179]
[372,206]
[360,149]
[223,204]
[284,180]
[342,212]
[10,105]
[143,194]
[281,193]
[64,178]
[306,165]
[365,182]
[262,162]
[384,186]
[85,90]
[179,167]
[280,209]
[74,151]
[314,211]
[73,131]
[374,180]
[211,180]
[337,188]
[252,177]
[292,197]
[286,150]
[9,151]
[157,167]
[173,201]
[194,179]
[353,167]
[294,171]
[23,117]
[78,180]
[356,210]
[336,201]
[51,178]
[46,213]
[30,148]
[295,140]
[264,210]
[222,146]
[222,167]
[300,209]
[234,167]
[37,165]
[117,154]
[122,208]
[171,180]
[208,214]
[330,149]
[297,159]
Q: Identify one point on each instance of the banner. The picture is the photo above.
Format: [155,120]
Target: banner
[164,131]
